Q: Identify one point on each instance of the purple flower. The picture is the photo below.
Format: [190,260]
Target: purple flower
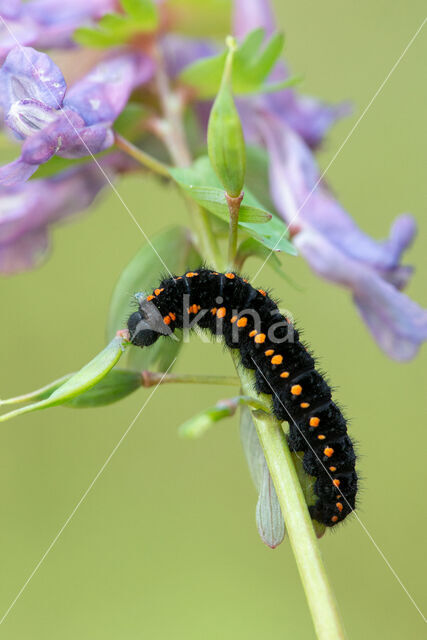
[50,119]
[46,23]
[27,211]
[308,116]
[337,250]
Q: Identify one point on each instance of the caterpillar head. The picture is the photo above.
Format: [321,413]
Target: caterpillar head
[146,324]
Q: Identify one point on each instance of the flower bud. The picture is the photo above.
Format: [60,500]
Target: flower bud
[226,144]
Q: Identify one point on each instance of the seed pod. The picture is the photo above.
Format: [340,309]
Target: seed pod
[226,144]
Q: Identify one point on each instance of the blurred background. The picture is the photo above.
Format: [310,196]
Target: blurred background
[165,545]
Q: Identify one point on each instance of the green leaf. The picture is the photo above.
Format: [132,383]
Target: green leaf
[117,28]
[143,273]
[199,424]
[117,384]
[272,234]
[269,518]
[143,12]
[252,66]
[80,382]
[38,394]
[91,37]
[213,199]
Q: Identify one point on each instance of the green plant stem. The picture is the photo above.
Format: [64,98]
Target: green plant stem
[298,521]
[172,132]
[288,488]
[141,156]
[152,378]
[234,208]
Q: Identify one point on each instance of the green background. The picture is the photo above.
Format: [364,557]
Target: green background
[165,545]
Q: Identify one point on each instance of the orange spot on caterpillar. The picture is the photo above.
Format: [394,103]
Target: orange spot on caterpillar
[193,309]
[336,482]
[233,319]
[158,291]
[339,506]
[262,292]
[277,359]
[314,422]
[260,338]
[253,333]
[269,352]
[172,316]
[245,280]
[332,468]
[215,273]
[230,275]
[242,322]
[304,405]
[321,437]
[178,278]
[328,451]
[284,374]
[213,311]
[167,320]
[191,274]
[296,389]
[221,312]
[149,298]
[334,518]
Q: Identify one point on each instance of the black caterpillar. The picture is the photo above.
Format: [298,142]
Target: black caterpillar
[250,321]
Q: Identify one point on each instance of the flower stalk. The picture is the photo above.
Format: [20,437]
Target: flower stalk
[153,378]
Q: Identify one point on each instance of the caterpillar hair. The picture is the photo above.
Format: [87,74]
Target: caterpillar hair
[250,321]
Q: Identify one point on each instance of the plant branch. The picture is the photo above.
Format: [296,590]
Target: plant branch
[152,378]
[141,156]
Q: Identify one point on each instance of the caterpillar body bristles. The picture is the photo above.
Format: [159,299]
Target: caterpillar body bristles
[250,321]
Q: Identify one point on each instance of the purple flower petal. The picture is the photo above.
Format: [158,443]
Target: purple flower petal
[16,172]
[91,140]
[179,52]
[27,210]
[25,253]
[26,117]
[252,14]
[56,12]
[12,32]
[29,74]
[10,8]
[397,323]
[337,250]
[103,93]
[62,133]
[303,200]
